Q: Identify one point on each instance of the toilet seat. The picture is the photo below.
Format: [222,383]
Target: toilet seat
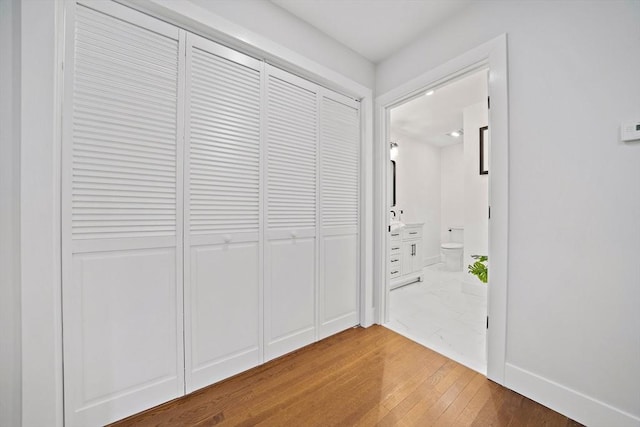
[452,246]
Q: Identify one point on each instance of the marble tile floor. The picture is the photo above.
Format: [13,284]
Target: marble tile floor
[439,315]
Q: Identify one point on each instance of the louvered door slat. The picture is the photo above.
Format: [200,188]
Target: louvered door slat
[106,128]
[340,141]
[224,144]
[291,158]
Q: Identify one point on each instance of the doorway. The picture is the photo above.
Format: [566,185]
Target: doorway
[491,55]
[439,219]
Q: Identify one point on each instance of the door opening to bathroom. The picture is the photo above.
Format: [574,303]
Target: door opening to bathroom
[438,218]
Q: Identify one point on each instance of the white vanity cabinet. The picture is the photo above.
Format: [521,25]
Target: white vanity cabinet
[395,258]
[411,256]
[405,260]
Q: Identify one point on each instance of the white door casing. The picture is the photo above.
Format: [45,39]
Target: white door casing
[491,54]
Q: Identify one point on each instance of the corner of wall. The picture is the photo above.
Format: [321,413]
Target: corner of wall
[10,332]
[39,219]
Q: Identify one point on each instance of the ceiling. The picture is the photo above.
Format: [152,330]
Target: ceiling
[431,118]
[375,29]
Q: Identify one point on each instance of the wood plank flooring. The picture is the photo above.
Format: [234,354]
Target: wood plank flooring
[360,377]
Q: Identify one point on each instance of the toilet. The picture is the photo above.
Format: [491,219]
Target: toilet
[452,251]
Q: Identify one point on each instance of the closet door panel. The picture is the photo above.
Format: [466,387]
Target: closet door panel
[339,294]
[291,274]
[128,301]
[121,214]
[223,262]
[339,208]
[292,202]
[225,311]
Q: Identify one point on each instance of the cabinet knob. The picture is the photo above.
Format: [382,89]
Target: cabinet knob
[294,234]
[226,238]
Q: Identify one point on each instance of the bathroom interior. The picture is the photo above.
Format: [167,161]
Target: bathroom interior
[438,192]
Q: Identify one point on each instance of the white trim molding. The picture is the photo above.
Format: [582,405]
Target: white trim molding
[569,402]
[493,55]
[432,260]
[41,35]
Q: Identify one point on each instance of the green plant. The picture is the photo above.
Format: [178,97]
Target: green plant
[479,268]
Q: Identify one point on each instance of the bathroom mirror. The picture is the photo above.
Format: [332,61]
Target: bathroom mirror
[393,183]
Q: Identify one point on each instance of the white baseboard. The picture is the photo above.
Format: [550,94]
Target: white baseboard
[571,403]
[432,260]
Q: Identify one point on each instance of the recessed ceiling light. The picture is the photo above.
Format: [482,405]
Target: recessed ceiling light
[430,92]
[455,134]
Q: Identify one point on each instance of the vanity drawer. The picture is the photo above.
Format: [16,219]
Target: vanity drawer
[410,233]
[396,248]
[395,272]
[394,262]
[396,235]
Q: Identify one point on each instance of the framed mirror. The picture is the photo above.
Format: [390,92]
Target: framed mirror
[393,183]
[484,150]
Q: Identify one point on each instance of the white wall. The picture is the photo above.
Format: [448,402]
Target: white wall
[39,215]
[452,176]
[418,190]
[574,233]
[476,186]
[10,372]
[280,26]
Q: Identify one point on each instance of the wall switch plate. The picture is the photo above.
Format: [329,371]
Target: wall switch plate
[630,131]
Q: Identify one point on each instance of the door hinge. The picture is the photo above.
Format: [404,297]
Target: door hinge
[487,322]
[489,212]
[389,229]
[489,102]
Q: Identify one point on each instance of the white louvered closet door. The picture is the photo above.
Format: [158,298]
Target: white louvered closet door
[122,250]
[339,213]
[291,198]
[223,261]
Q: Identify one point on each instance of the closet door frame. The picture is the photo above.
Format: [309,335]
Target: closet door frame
[70,322]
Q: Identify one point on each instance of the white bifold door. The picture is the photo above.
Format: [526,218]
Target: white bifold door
[223,256]
[312,219]
[339,213]
[122,214]
[292,217]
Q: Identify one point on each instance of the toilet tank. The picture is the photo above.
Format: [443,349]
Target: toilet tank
[456,235]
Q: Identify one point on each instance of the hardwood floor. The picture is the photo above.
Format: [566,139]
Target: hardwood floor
[360,377]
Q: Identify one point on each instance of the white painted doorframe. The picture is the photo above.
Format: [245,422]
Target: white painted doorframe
[492,54]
